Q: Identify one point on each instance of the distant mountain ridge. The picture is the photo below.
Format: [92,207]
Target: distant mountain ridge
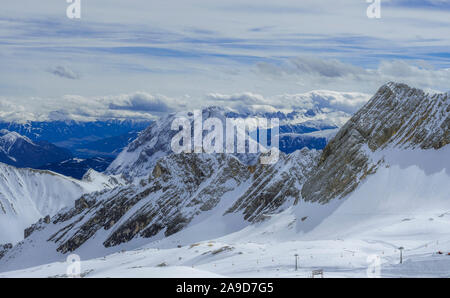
[59,131]
[74,135]
[78,167]
[20,151]
[107,148]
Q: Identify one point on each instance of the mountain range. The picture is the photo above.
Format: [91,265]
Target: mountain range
[78,167]
[83,139]
[382,181]
[20,151]
[80,145]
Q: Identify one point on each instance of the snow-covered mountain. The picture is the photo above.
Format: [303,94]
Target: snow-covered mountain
[84,139]
[27,195]
[20,151]
[154,142]
[139,158]
[183,190]
[69,133]
[396,117]
[383,181]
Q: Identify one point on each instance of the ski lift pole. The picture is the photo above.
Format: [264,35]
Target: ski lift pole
[401,248]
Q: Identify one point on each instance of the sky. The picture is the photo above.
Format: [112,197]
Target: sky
[143,58]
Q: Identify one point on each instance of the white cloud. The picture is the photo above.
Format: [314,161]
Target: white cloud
[136,105]
[334,74]
[142,102]
[347,102]
[11,111]
[64,72]
[330,68]
[214,48]
[142,105]
[208,46]
[247,98]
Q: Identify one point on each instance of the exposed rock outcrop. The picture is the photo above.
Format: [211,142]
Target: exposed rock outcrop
[4,248]
[272,186]
[181,187]
[398,116]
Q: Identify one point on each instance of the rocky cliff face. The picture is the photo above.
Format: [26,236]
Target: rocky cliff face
[273,186]
[397,116]
[4,248]
[181,187]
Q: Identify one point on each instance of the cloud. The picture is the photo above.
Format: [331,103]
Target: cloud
[5,105]
[142,105]
[12,111]
[308,65]
[64,72]
[213,43]
[188,45]
[59,115]
[216,49]
[245,102]
[248,102]
[247,98]
[143,102]
[440,4]
[136,105]
[335,74]
[348,102]
[328,68]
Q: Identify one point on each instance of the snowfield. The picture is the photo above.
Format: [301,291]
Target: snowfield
[27,195]
[405,203]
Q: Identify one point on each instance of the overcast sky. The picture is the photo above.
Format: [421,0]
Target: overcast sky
[140,58]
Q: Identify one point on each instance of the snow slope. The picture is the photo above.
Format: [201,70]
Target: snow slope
[27,195]
[209,195]
[405,203]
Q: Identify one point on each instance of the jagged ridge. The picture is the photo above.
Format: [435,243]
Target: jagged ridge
[398,116]
[181,187]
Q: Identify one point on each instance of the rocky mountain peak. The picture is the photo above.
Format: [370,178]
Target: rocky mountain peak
[403,116]
[9,138]
[139,158]
[396,116]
